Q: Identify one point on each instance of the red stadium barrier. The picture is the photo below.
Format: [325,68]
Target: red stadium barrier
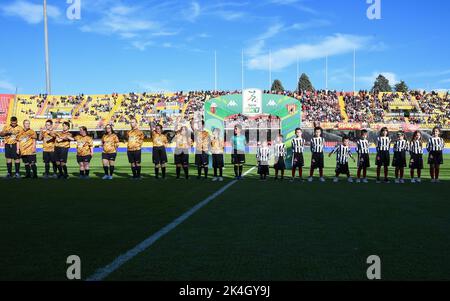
[4,106]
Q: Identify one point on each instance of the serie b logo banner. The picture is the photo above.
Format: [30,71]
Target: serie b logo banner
[252,102]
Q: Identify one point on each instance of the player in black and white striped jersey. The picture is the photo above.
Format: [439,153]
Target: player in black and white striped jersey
[263,157]
[401,146]
[416,153]
[298,146]
[279,155]
[342,152]
[383,156]
[317,146]
[362,148]
[435,149]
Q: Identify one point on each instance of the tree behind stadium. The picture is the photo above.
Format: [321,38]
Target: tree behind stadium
[277,86]
[304,84]
[401,87]
[381,84]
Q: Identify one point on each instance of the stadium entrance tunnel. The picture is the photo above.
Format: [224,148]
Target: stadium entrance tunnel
[262,117]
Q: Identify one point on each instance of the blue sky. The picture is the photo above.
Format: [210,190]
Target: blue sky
[122,45]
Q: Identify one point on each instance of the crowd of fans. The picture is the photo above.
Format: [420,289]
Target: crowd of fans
[318,106]
[261,122]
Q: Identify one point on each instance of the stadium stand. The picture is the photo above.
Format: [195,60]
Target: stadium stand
[328,107]
[5,100]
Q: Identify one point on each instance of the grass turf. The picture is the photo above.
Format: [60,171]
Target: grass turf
[254,231]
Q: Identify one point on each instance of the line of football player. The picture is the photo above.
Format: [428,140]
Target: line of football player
[20,143]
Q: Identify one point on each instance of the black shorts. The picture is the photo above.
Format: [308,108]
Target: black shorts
[435,158]
[29,159]
[342,168]
[363,161]
[298,160]
[280,164]
[11,152]
[263,169]
[237,158]
[317,160]
[48,157]
[134,156]
[109,157]
[181,159]
[399,159]
[383,158]
[159,155]
[202,159]
[84,159]
[61,154]
[217,160]
[416,161]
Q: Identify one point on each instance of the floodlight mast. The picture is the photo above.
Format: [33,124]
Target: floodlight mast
[47,59]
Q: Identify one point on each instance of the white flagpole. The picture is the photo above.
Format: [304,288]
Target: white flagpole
[298,73]
[270,69]
[354,71]
[47,60]
[242,71]
[326,73]
[215,70]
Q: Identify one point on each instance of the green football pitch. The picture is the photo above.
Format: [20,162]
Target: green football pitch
[252,230]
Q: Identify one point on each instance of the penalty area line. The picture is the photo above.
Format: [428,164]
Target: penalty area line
[105,271]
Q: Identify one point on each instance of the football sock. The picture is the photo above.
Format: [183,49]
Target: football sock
[240,170]
[27,170]
[55,168]
[163,172]
[178,171]
[17,167]
[111,170]
[105,169]
[34,169]
[9,168]
[206,172]
[221,171]
[236,170]
[65,169]
[186,172]
[138,173]
[156,172]
[47,168]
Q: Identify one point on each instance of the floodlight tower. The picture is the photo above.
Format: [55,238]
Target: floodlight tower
[47,59]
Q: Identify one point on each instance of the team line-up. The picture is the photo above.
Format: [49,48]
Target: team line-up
[20,143]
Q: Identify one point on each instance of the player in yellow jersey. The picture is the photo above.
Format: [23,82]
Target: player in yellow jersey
[202,148]
[26,145]
[135,139]
[62,146]
[10,133]
[110,143]
[85,151]
[48,138]
[183,144]
[159,154]
[217,148]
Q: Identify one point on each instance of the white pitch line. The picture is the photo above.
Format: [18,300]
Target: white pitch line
[104,272]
